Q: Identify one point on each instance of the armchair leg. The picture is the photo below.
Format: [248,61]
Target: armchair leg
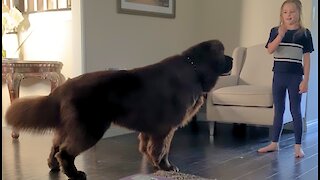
[211,127]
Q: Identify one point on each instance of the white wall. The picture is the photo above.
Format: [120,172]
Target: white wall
[114,40]
[77,39]
[221,20]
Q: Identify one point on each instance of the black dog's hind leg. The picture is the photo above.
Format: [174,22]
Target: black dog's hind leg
[158,149]
[66,160]
[77,141]
[52,160]
[69,150]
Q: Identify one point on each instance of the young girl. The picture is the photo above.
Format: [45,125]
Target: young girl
[290,43]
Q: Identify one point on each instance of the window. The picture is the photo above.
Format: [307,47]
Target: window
[29,6]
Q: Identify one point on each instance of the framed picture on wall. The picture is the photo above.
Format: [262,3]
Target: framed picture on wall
[158,8]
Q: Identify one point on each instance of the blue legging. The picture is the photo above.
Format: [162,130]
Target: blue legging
[281,83]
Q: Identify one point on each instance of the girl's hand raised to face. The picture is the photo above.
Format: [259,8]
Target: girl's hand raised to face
[282,30]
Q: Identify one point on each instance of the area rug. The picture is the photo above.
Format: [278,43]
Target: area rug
[177,175]
[164,175]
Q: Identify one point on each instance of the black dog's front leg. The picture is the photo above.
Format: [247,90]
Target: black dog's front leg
[158,150]
[166,165]
[192,111]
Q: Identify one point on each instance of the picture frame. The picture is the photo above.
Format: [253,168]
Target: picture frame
[156,8]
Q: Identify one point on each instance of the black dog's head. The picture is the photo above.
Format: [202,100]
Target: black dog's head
[213,52]
[210,62]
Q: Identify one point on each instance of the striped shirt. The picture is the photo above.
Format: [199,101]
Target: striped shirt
[288,55]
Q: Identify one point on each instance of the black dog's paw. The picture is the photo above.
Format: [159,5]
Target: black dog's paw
[80,176]
[54,170]
[173,168]
[167,167]
[53,165]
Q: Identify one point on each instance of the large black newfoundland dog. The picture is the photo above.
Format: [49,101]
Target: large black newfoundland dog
[154,100]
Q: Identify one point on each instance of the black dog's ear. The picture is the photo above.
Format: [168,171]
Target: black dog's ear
[198,51]
[206,46]
[217,45]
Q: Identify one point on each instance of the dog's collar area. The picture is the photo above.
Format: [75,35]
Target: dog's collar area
[193,64]
[190,61]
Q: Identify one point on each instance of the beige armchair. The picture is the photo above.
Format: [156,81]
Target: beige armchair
[245,96]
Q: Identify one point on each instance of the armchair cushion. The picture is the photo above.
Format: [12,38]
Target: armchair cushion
[243,95]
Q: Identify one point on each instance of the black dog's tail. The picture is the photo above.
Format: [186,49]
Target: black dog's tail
[35,114]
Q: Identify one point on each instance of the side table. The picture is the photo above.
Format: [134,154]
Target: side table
[14,70]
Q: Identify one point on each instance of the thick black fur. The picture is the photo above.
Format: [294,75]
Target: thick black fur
[154,100]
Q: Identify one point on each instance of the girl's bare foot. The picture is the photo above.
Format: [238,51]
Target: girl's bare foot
[273,146]
[298,151]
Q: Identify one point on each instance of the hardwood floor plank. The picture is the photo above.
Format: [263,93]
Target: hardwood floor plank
[309,175]
[251,160]
[283,166]
[304,165]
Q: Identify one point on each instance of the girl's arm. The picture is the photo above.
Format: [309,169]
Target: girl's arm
[306,69]
[272,46]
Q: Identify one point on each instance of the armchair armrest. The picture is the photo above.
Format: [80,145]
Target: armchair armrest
[225,81]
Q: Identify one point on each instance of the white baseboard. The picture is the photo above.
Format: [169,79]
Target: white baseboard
[289,126]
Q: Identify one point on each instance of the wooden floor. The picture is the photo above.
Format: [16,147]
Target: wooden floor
[231,154]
